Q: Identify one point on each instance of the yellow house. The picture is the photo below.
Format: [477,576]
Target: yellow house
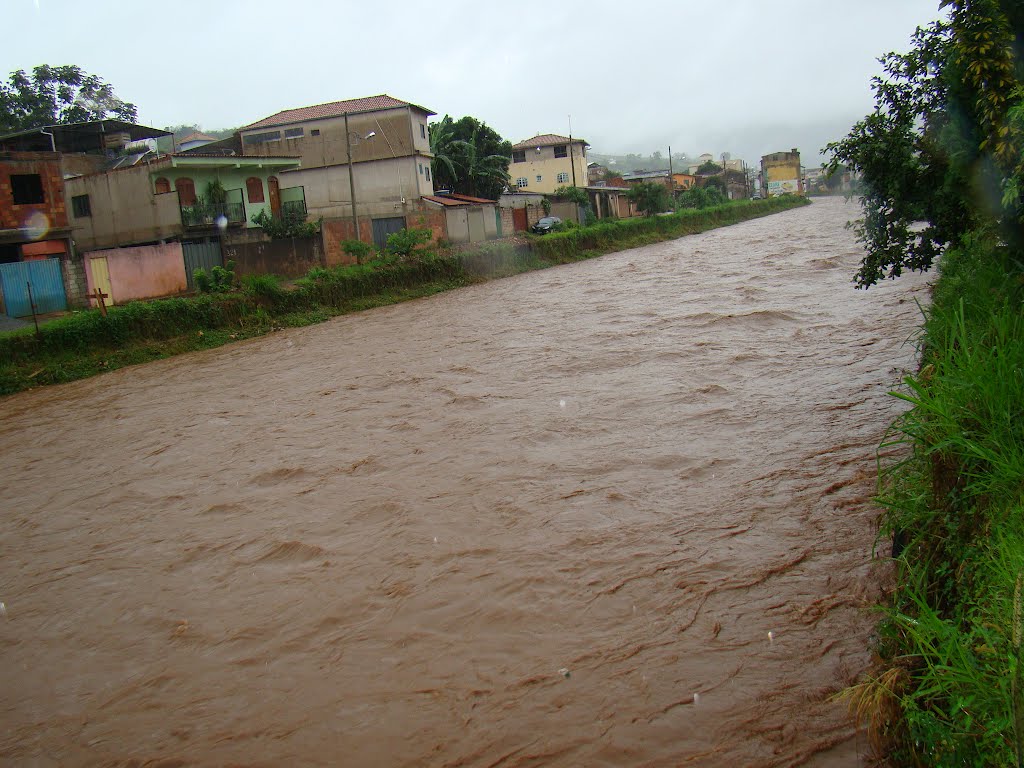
[548,161]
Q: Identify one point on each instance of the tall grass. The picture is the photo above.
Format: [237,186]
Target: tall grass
[950,645]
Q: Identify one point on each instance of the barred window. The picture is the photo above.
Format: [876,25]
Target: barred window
[522,182]
[563,178]
[80,206]
[561,151]
[519,156]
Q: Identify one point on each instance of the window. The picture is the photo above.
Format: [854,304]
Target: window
[315,132]
[519,156]
[260,138]
[254,190]
[522,182]
[560,151]
[80,206]
[563,178]
[538,178]
[293,133]
[428,174]
[163,186]
[421,168]
[186,191]
[423,131]
[27,188]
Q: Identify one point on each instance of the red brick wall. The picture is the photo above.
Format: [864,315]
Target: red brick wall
[47,165]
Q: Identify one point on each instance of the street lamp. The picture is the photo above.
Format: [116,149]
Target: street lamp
[351,174]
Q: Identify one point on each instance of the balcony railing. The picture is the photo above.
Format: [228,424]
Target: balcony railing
[296,208]
[206,215]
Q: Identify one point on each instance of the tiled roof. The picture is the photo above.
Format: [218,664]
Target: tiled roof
[546,140]
[196,137]
[332,109]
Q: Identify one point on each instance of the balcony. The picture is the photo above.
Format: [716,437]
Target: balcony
[206,215]
[293,208]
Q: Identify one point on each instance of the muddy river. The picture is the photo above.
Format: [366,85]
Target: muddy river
[608,514]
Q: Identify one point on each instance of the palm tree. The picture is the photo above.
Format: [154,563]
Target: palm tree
[481,175]
[469,157]
[442,138]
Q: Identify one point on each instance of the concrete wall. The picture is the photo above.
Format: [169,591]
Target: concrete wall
[547,166]
[285,258]
[336,231]
[143,272]
[52,213]
[76,283]
[124,210]
[397,134]
[380,187]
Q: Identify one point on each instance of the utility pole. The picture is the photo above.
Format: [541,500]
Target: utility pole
[351,179]
[572,159]
[671,180]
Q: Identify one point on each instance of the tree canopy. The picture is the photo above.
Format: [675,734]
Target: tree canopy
[54,95]
[945,144]
[650,198]
[470,157]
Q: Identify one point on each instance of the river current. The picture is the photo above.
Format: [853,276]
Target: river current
[615,513]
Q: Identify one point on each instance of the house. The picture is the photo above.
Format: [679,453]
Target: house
[364,160]
[38,253]
[650,177]
[547,162]
[468,219]
[608,201]
[520,210]
[193,141]
[182,211]
[780,173]
[683,181]
[35,238]
[595,172]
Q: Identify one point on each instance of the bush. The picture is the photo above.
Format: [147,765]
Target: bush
[405,241]
[218,280]
[357,249]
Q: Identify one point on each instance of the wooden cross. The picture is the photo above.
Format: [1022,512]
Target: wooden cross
[99,296]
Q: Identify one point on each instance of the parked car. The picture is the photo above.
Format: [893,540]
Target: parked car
[545,225]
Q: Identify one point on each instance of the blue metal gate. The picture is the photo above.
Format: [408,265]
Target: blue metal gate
[200,254]
[384,227]
[47,283]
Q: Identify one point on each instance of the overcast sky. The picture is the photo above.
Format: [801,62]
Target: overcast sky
[742,76]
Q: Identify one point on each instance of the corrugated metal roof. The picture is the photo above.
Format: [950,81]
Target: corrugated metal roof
[546,140]
[333,109]
[454,199]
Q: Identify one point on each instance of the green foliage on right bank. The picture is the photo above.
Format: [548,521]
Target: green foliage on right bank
[941,161]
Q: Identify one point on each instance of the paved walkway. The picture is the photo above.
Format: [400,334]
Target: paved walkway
[11,323]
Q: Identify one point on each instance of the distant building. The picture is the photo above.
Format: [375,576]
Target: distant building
[547,162]
[780,173]
[194,140]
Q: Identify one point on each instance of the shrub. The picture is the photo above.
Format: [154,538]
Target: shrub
[357,249]
[405,241]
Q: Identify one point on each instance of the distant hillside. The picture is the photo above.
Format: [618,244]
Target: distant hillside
[656,161]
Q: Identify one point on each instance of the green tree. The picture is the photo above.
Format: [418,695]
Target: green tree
[944,144]
[469,157]
[708,168]
[55,95]
[650,198]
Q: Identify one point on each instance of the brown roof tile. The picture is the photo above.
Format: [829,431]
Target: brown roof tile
[332,109]
[546,140]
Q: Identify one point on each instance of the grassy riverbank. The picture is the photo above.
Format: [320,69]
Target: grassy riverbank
[949,686]
[87,343]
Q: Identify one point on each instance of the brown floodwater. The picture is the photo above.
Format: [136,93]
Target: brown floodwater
[614,513]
